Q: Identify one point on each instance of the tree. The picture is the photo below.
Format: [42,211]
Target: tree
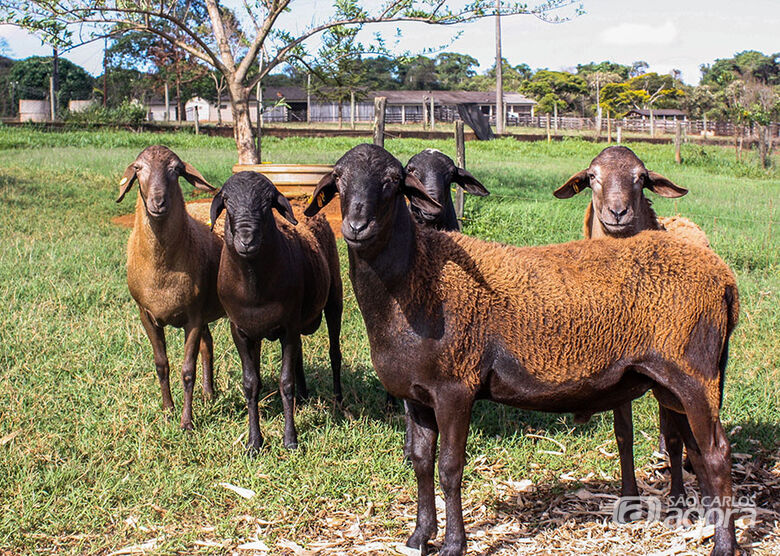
[229,49]
[453,69]
[638,68]
[31,77]
[764,69]
[418,73]
[641,92]
[556,88]
[513,77]
[584,70]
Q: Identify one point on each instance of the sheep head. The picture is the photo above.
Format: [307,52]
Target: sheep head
[438,172]
[248,198]
[617,178]
[372,184]
[157,170]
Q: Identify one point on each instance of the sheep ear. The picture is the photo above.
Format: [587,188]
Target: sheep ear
[469,183]
[126,182]
[282,205]
[323,193]
[663,186]
[413,188]
[217,206]
[574,185]
[195,178]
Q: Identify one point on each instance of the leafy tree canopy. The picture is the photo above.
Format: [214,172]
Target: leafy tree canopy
[31,76]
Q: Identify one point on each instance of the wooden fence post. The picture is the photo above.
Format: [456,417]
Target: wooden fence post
[460,148]
[619,134]
[352,109]
[549,139]
[678,142]
[433,119]
[379,120]
[197,123]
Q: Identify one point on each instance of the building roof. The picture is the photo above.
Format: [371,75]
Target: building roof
[657,112]
[450,97]
[292,94]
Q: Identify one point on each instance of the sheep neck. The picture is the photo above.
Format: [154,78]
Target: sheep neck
[389,266]
[256,272]
[164,239]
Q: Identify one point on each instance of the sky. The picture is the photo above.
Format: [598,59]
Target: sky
[667,34]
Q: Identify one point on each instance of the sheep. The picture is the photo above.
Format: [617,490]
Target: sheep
[275,281]
[437,172]
[617,178]
[584,326]
[172,263]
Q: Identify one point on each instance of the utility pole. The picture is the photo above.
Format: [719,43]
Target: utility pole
[499,74]
[105,72]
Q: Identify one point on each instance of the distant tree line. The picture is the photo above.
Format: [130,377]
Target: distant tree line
[744,89]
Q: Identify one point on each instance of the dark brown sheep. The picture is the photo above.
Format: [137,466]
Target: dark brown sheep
[275,281]
[618,208]
[172,263]
[437,172]
[581,327]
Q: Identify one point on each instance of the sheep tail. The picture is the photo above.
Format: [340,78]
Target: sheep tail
[732,305]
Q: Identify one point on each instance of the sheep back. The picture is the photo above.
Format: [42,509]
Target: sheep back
[560,313]
[685,229]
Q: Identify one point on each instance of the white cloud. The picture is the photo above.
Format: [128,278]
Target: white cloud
[638,33]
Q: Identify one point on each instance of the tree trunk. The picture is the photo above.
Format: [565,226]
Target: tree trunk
[243,131]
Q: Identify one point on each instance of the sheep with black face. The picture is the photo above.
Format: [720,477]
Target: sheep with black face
[437,172]
[276,278]
[172,263]
[452,319]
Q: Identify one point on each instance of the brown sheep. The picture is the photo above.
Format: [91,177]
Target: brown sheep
[580,327]
[172,263]
[276,278]
[618,208]
[617,178]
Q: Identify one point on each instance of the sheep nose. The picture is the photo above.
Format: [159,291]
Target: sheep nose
[618,214]
[358,226]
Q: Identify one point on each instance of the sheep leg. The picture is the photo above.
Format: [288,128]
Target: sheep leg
[453,414]
[333,310]
[423,433]
[192,335]
[624,435]
[249,352]
[694,453]
[674,447]
[156,336]
[301,390]
[716,458]
[291,352]
[207,362]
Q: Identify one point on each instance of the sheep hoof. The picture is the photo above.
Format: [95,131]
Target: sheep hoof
[187,426]
[291,445]
[419,540]
[456,549]
[253,450]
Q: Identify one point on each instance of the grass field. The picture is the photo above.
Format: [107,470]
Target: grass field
[88,464]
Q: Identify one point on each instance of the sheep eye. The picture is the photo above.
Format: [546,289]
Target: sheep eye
[591,177]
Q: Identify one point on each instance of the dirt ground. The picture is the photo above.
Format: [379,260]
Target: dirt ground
[199,210]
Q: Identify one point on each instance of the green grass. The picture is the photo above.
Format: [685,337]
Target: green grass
[96,467]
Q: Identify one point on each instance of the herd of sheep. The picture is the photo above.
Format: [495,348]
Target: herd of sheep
[641,304]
